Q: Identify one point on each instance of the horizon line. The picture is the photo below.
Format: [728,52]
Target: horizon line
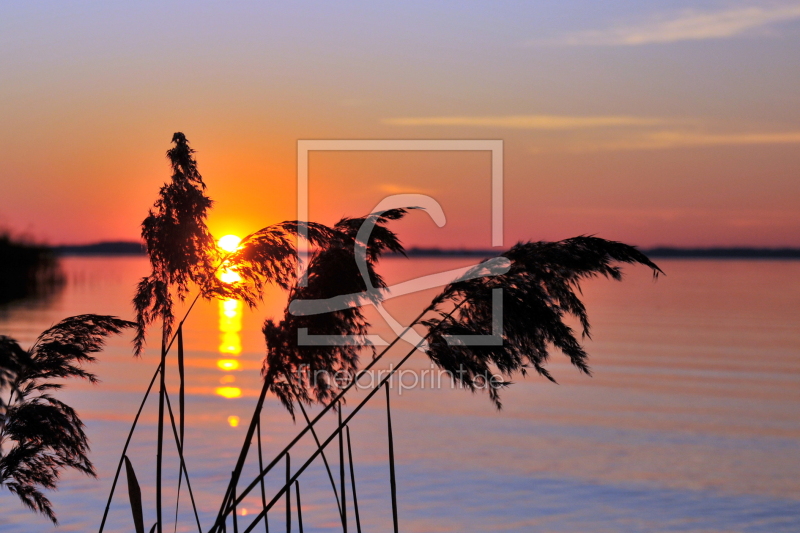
[134,248]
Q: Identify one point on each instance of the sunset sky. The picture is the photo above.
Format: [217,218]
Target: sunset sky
[654,123]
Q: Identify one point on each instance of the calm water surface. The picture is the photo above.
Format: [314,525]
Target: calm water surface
[690,423]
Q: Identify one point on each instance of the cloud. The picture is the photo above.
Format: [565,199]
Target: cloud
[532,122]
[631,132]
[690,25]
[661,140]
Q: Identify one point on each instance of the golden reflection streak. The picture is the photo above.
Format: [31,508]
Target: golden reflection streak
[227,365]
[228,392]
[230,324]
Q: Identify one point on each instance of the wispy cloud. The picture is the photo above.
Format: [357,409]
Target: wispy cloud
[687,26]
[532,122]
[661,140]
[604,133]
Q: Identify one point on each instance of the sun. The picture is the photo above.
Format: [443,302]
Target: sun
[229,243]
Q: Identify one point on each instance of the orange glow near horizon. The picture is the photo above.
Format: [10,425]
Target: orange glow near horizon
[615,143]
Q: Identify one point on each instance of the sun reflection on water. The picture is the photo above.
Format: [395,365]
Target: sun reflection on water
[227,365]
[230,345]
[229,392]
[230,324]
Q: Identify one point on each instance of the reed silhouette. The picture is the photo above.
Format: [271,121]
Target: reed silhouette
[540,290]
[332,271]
[45,434]
[180,247]
[182,252]
[540,294]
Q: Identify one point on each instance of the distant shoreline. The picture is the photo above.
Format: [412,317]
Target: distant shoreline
[122,248]
[101,248]
[659,252]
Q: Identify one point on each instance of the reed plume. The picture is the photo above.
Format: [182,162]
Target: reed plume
[47,435]
[178,242]
[298,373]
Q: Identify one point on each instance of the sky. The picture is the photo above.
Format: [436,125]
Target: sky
[653,123]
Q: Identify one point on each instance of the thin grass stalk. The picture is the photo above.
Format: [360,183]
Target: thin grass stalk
[235,518]
[353,479]
[222,525]
[160,445]
[261,467]
[250,430]
[181,420]
[146,394]
[341,473]
[314,455]
[355,411]
[181,390]
[392,480]
[254,421]
[178,500]
[299,507]
[277,458]
[289,493]
[165,347]
[136,419]
[125,448]
[324,459]
[182,461]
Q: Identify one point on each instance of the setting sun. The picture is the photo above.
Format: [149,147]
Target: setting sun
[229,243]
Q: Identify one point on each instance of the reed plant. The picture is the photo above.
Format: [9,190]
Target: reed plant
[40,435]
[539,282]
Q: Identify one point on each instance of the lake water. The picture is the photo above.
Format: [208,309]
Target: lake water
[690,423]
